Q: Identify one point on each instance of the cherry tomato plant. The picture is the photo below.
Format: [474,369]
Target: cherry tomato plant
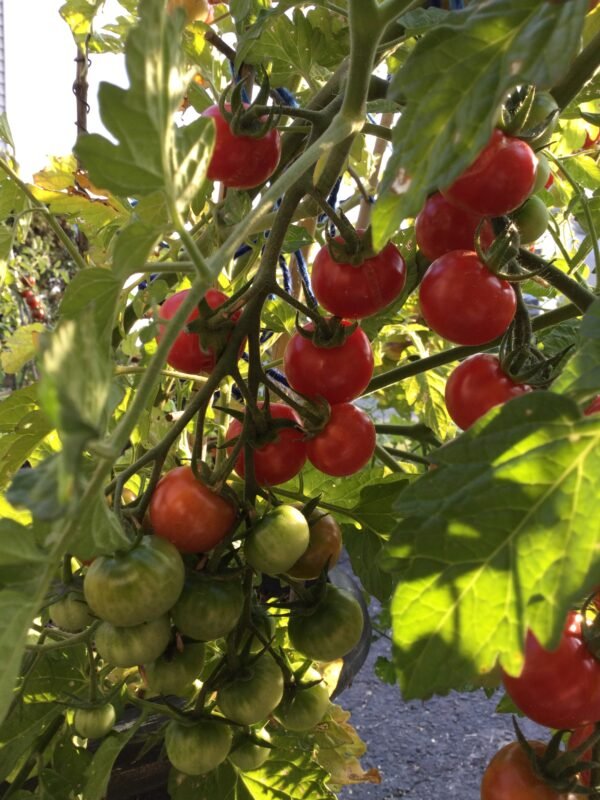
[295,312]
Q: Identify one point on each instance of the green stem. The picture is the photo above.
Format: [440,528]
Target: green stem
[168,373]
[40,207]
[420,433]
[366,28]
[382,454]
[580,72]
[577,294]
[380,131]
[405,455]
[398,374]
[69,641]
[592,232]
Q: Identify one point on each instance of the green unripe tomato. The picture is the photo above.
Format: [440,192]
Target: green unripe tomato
[254,692]
[543,106]
[277,540]
[246,755]
[531,219]
[302,709]
[93,723]
[208,608]
[198,748]
[137,644]
[137,586]
[331,629]
[71,613]
[542,173]
[175,672]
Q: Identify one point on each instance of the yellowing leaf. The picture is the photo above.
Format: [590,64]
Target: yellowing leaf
[20,347]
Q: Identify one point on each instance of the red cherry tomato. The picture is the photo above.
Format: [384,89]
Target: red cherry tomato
[346,443]
[594,407]
[187,353]
[188,513]
[463,301]
[338,374]
[442,227]
[510,776]
[558,688]
[241,162]
[358,291]
[277,461]
[477,385]
[578,737]
[498,181]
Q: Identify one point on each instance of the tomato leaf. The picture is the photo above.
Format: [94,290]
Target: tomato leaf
[453,84]
[20,730]
[151,153]
[23,426]
[288,774]
[502,537]
[581,376]
[25,574]
[93,293]
[104,759]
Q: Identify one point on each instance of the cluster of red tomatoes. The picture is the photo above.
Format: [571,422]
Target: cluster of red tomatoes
[337,371]
[32,300]
[461,299]
[559,689]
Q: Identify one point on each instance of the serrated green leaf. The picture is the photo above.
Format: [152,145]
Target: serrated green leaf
[453,84]
[93,293]
[38,490]
[23,426]
[364,547]
[20,730]
[151,153]
[580,377]
[98,531]
[501,538]
[23,586]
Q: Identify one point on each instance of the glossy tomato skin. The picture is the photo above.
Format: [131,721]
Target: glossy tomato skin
[198,748]
[241,162]
[277,461]
[477,385]
[558,688]
[463,301]
[346,444]
[137,644]
[499,180]
[594,407]
[302,709]
[207,608]
[174,672]
[246,755]
[137,586]
[277,540]
[354,292]
[92,723]
[338,374]
[332,629]
[324,547]
[531,219]
[441,227]
[510,776]
[189,514]
[253,694]
[71,613]
[187,353]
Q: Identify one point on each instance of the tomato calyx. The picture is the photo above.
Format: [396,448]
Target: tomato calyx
[242,117]
[326,332]
[531,116]
[352,247]
[559,769]
[212,326]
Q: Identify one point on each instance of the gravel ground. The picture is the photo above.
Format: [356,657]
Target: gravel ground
[433,749]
